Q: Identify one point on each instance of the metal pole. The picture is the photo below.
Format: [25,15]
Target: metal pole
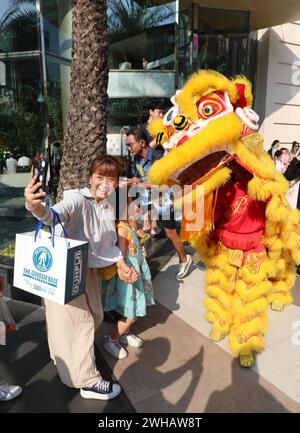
[43,64]
[177,31]
[50,195]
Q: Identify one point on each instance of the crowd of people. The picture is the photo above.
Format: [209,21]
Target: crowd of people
[282,156]
[287,162]
[17,162]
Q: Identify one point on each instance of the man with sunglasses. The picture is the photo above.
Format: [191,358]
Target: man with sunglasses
[144,157]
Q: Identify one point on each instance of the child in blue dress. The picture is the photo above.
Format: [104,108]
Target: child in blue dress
[129,300]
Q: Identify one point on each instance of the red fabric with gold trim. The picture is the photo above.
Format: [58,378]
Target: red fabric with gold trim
[246,130]
[239,220]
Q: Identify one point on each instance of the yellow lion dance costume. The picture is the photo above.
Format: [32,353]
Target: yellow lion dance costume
[249,241]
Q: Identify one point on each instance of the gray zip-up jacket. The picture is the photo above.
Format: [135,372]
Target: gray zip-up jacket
[86,220]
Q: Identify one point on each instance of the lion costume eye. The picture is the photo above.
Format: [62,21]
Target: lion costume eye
[209,110]
[209,106]
[170,116]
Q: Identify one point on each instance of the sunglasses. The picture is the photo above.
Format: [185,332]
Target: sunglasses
[132,144]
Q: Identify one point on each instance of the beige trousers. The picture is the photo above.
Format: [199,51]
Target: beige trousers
[71,331]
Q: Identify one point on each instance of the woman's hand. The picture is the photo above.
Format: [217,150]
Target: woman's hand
[33,198]
[127,274]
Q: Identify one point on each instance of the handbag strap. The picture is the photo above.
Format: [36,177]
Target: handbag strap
[39,227]
[56,218]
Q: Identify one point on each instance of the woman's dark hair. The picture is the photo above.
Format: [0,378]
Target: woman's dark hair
[105,165]
[274,143]
[278,153]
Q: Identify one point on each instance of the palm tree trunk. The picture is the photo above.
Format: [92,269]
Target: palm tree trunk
[85,131]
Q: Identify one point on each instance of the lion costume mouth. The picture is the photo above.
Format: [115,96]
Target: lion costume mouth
[205,164]
[203,153]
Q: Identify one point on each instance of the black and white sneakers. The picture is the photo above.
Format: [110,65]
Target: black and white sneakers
[102,390]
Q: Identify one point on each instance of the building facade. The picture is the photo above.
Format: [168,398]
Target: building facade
[278,83]
[153,50]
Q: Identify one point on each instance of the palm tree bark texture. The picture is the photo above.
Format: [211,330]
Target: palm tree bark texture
[85,129]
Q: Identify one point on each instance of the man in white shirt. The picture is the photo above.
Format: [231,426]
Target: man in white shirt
[11,164]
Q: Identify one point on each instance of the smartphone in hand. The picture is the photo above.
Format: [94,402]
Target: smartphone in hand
[40,169]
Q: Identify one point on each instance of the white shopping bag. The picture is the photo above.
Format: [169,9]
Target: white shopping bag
[55,272]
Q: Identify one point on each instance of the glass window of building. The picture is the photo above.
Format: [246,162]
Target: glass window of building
[21,93]
[141,34]
[22,111]
[35,58]
[142,63]
[57,25]
[33,97]
[223,41]
[18,26]
[22,107]
[214,38]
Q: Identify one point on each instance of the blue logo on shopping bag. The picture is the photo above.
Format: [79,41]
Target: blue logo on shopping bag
[42,259]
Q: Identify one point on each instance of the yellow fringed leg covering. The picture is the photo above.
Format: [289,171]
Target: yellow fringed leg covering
[219,285]
[250,307]
[280,294]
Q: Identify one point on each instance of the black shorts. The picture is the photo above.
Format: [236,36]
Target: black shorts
[168,222]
